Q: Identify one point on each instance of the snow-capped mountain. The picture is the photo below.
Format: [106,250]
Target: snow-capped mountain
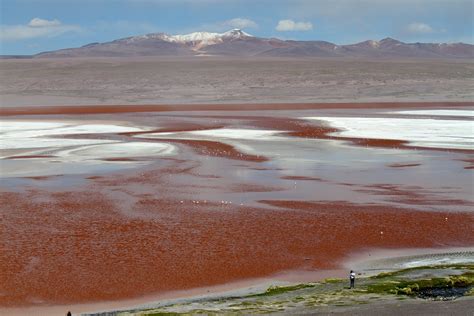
[238,43]
[196,40]
[207,37]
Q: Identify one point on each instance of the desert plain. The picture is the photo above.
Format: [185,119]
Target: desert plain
[132,178]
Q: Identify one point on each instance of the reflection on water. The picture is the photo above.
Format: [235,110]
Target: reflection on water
[296,169]
[341,172]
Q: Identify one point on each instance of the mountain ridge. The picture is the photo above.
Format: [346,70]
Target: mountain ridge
[238,43]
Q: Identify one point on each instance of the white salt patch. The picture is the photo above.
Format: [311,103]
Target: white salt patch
[118,150]
[236,133]
[437,261]
[71,155]
[467,113]
[419,132]
[20,129]
[231,136]
[34,135]
[93,129]
[8,126]
[45,138]
[230,133]
[30,134]
[38,142]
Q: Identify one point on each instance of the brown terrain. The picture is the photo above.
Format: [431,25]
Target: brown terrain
[141,80]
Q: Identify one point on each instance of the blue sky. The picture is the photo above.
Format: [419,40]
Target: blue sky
[32,26]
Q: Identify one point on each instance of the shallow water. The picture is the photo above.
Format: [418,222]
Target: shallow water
[216,197]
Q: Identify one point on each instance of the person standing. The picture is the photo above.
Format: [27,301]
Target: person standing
[352,277]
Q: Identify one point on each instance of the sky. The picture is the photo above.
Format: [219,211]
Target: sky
[32,26]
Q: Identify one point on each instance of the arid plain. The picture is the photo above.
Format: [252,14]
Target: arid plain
[126,178]
[152,80]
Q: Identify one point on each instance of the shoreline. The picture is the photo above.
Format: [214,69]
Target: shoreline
[362,262]
[6,110]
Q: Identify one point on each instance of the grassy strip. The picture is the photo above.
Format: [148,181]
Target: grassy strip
[276,290]
[333,292]
[412,288]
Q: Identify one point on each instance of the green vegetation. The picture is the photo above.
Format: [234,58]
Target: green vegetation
[161,314]
[333,280]
[275,290]
[412,287]
[446,281]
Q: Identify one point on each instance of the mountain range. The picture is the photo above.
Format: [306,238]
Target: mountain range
[237,43]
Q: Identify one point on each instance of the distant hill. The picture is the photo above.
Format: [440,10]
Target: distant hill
[16,56]
[238,43]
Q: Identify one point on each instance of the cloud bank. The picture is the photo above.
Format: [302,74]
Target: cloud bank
[290,25]
[240,23]
[419,28]
[36,28]
[37,22]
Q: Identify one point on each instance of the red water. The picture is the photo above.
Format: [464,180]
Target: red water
[123,235]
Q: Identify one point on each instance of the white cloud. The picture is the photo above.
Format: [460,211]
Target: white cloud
[36,28]
[240,23]
[290,25]
[419,28]
[37,22]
